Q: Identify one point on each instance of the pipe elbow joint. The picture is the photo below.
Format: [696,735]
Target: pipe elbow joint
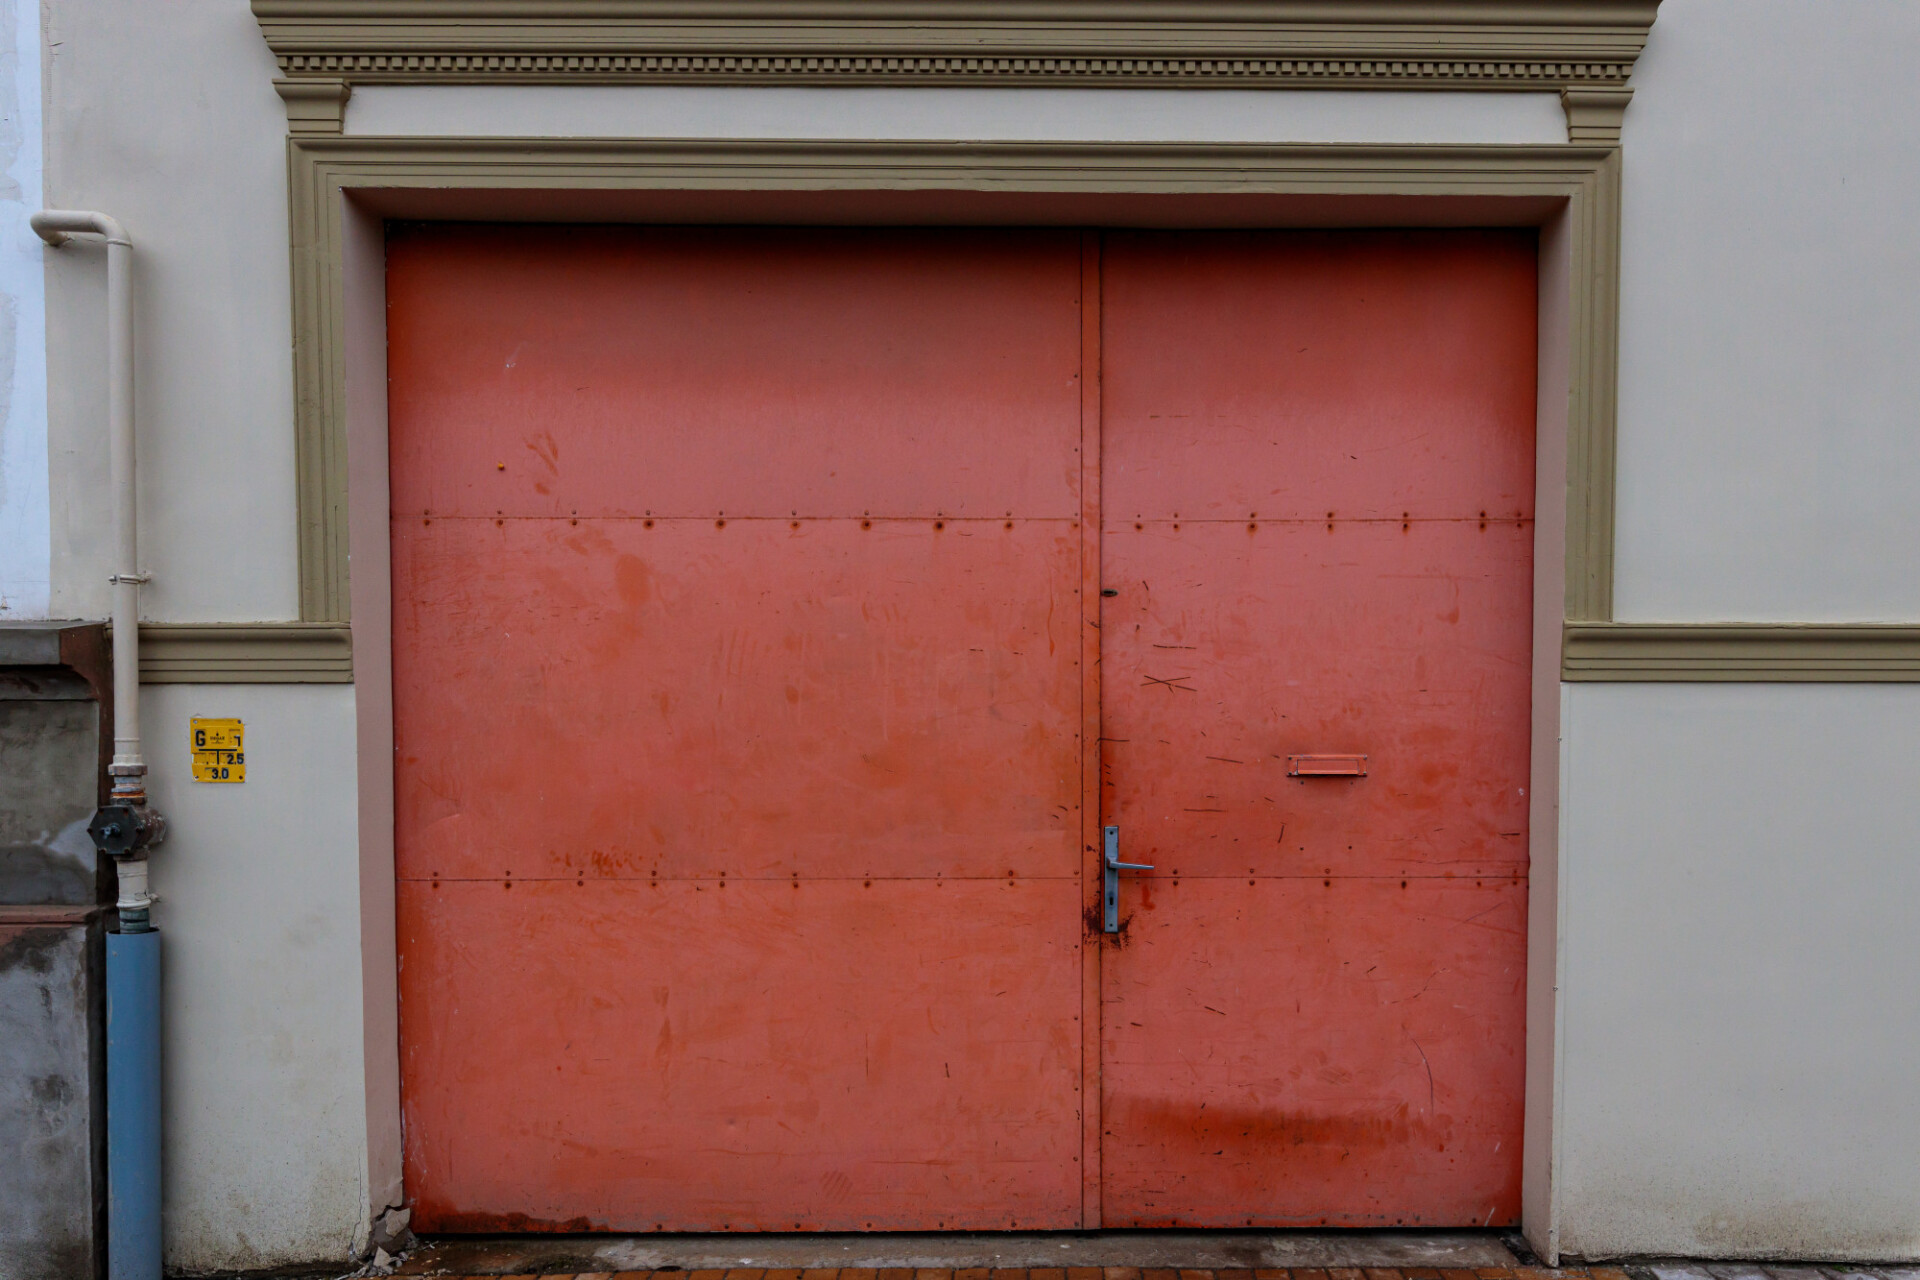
[57,226]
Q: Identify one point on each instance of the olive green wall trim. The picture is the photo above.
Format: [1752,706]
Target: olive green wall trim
[245,653]
[565,173]
[1478,44]
[314,106]
[1755,652]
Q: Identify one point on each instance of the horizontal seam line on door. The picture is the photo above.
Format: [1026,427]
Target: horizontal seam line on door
[712,879]
[1322,520]
[1215,875]
[890,519]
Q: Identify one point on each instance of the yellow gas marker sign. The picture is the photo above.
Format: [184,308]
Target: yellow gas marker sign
[219,753]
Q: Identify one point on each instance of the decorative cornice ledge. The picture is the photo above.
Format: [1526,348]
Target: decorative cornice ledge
[246,653]
[1455,44]
[314,105]
[1759,653]
[1594,115]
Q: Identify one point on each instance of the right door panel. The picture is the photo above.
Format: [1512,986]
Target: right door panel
[1317,457]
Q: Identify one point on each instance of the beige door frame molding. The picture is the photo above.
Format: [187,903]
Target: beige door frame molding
[344,190]
[1192,185]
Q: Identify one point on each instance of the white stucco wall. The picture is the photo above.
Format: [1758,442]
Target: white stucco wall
[1013,114]
[1769,394]
[25,532]
[164,116]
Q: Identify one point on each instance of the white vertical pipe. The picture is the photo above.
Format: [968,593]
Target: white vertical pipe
[126,524]
[55,226]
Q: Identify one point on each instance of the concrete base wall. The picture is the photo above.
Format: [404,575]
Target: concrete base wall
[52,1101]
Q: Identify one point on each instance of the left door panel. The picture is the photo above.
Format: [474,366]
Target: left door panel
[736,710]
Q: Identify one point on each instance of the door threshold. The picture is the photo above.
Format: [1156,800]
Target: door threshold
[1189,1250]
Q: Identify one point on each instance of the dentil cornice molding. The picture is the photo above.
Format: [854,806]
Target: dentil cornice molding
[1410,44]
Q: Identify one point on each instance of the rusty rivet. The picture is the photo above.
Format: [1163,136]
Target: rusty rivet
[719,524]
[866,524]
[939,524]
[648,523]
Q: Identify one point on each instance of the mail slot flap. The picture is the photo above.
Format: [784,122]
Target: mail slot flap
[1326,766]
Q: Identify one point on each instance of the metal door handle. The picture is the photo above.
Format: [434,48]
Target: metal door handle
[1113,868]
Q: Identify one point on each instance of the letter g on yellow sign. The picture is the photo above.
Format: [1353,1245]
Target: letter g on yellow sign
[219,751]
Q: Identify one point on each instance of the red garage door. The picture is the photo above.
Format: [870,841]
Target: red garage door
[746,661]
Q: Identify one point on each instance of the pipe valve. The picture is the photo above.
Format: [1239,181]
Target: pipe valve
[126,830]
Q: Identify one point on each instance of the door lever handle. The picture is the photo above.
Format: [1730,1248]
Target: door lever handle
[1113,867]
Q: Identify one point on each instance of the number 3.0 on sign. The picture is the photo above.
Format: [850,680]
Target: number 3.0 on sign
[219,754]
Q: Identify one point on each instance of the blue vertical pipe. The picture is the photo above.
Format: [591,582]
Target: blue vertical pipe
[133,1106]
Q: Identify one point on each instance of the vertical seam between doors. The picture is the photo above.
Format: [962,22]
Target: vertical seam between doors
[1091,1092]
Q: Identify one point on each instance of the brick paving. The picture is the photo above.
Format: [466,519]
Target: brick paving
[1673,1270]
[1647,1270]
